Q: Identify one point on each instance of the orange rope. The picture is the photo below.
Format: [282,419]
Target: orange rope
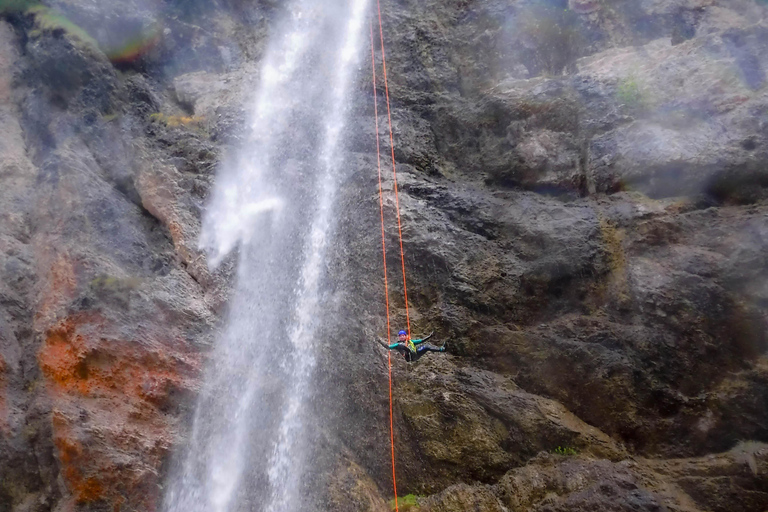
[384,254]
[394,169]
[399,222]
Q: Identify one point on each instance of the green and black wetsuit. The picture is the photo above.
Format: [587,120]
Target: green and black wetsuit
[418,349]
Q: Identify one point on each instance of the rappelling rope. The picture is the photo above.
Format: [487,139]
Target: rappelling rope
[394,169]
[384,257]
[399,223]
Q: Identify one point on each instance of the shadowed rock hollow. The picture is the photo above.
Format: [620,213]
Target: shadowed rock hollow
[583,197]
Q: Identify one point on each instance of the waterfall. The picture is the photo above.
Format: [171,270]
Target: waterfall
[273,203]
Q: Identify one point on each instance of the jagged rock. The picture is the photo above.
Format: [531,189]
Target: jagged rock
[147,34]
[694,135]
[462,497]
[584,6]
[71,72]
[575,485]
[583,215]
[27,467]
[550,483]
[205,93]
[731,481]
[479,424]
[103,330]
[608,315]
[354,491]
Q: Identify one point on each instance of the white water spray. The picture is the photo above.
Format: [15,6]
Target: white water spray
[274,203]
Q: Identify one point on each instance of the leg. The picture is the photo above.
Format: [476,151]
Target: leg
[426,347]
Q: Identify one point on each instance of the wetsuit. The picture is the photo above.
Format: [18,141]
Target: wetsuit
[413,354]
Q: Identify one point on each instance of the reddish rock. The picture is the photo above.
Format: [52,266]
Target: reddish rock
[111,397]
[635,318]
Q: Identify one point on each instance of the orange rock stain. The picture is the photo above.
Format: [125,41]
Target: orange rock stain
[71,453]
[109,396]
[89,366]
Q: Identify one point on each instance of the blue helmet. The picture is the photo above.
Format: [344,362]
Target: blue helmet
[402,333]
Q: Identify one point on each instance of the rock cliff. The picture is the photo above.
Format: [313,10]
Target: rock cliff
[583,192]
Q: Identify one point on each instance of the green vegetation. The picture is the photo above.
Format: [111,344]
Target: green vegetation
[565,451]
[405,503]
[177,121]
[118,284]
[613,238]
[630,93]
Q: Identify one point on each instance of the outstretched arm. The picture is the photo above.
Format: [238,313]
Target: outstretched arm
[390,347]
[416,342]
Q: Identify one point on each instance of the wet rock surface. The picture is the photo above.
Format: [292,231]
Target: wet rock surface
[578,237]
[582,188]
[106,314]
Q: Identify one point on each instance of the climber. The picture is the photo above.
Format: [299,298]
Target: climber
[412,350]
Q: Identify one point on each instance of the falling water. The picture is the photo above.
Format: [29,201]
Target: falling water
[274,203]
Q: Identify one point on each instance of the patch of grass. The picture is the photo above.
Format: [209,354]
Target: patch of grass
[566,451]
[29,432]
[630,92]
[613,238]
[405,503]
[177,121]
[31,386]
[111,283]
[615,285]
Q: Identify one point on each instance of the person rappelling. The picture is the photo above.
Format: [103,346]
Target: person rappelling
[412,350]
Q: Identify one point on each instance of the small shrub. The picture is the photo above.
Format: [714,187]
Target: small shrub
[613,240]
[630,93]
[177,121]
[115,284]
[566,451]
[406,503]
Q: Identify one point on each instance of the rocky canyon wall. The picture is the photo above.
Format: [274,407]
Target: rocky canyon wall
[583,191]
